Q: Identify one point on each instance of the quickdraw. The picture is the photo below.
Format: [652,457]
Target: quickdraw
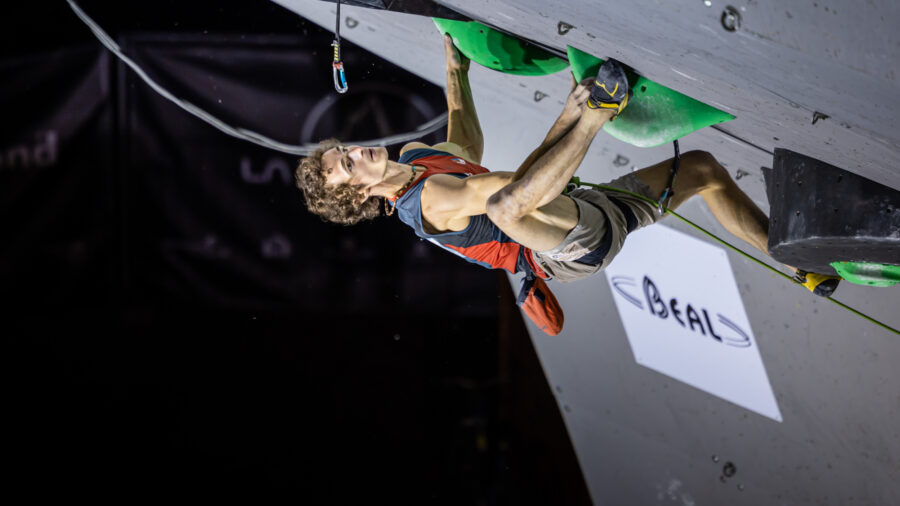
[337,66]
[663,204]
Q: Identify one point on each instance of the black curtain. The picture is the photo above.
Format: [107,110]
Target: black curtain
[185,324]
[177,325]
[55,170]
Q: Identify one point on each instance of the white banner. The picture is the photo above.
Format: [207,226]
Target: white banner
[684,317]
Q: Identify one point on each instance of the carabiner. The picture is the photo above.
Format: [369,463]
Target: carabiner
[340,80]
[663,204]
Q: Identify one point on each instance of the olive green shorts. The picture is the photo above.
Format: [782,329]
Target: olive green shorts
[597,217]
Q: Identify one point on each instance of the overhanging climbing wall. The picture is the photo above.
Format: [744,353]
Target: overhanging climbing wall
[811,415]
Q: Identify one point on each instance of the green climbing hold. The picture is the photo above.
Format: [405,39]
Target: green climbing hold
[655,114]
[498,51]
[867,273]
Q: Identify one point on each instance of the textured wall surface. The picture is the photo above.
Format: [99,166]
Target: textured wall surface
[642,437]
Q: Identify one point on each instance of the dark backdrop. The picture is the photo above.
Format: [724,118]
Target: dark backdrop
[176,322]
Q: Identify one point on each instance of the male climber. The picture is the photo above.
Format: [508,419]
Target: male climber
[523,221]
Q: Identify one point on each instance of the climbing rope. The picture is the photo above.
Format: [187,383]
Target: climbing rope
[577,182]
[259,139]
[337,66]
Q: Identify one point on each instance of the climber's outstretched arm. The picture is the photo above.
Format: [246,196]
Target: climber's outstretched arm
[567,118]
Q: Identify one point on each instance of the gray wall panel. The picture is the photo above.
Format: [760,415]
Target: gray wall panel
[643,437]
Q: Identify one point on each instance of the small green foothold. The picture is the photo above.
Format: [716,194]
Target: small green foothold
[867,273]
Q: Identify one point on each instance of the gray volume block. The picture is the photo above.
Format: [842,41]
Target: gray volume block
[821,214]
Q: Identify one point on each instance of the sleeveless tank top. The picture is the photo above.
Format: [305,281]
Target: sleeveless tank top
[481,242]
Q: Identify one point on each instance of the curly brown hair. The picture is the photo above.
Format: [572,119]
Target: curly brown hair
[339,203]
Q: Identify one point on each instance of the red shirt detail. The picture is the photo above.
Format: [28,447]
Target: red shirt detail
[499,255]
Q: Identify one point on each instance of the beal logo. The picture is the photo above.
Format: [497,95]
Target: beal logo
[688,316]
[458,160]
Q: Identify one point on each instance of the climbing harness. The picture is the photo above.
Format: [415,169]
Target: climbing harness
[663,204]
[576,183]
[337,66]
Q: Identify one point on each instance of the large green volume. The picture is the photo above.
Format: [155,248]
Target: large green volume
[655,114]
[498,51]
